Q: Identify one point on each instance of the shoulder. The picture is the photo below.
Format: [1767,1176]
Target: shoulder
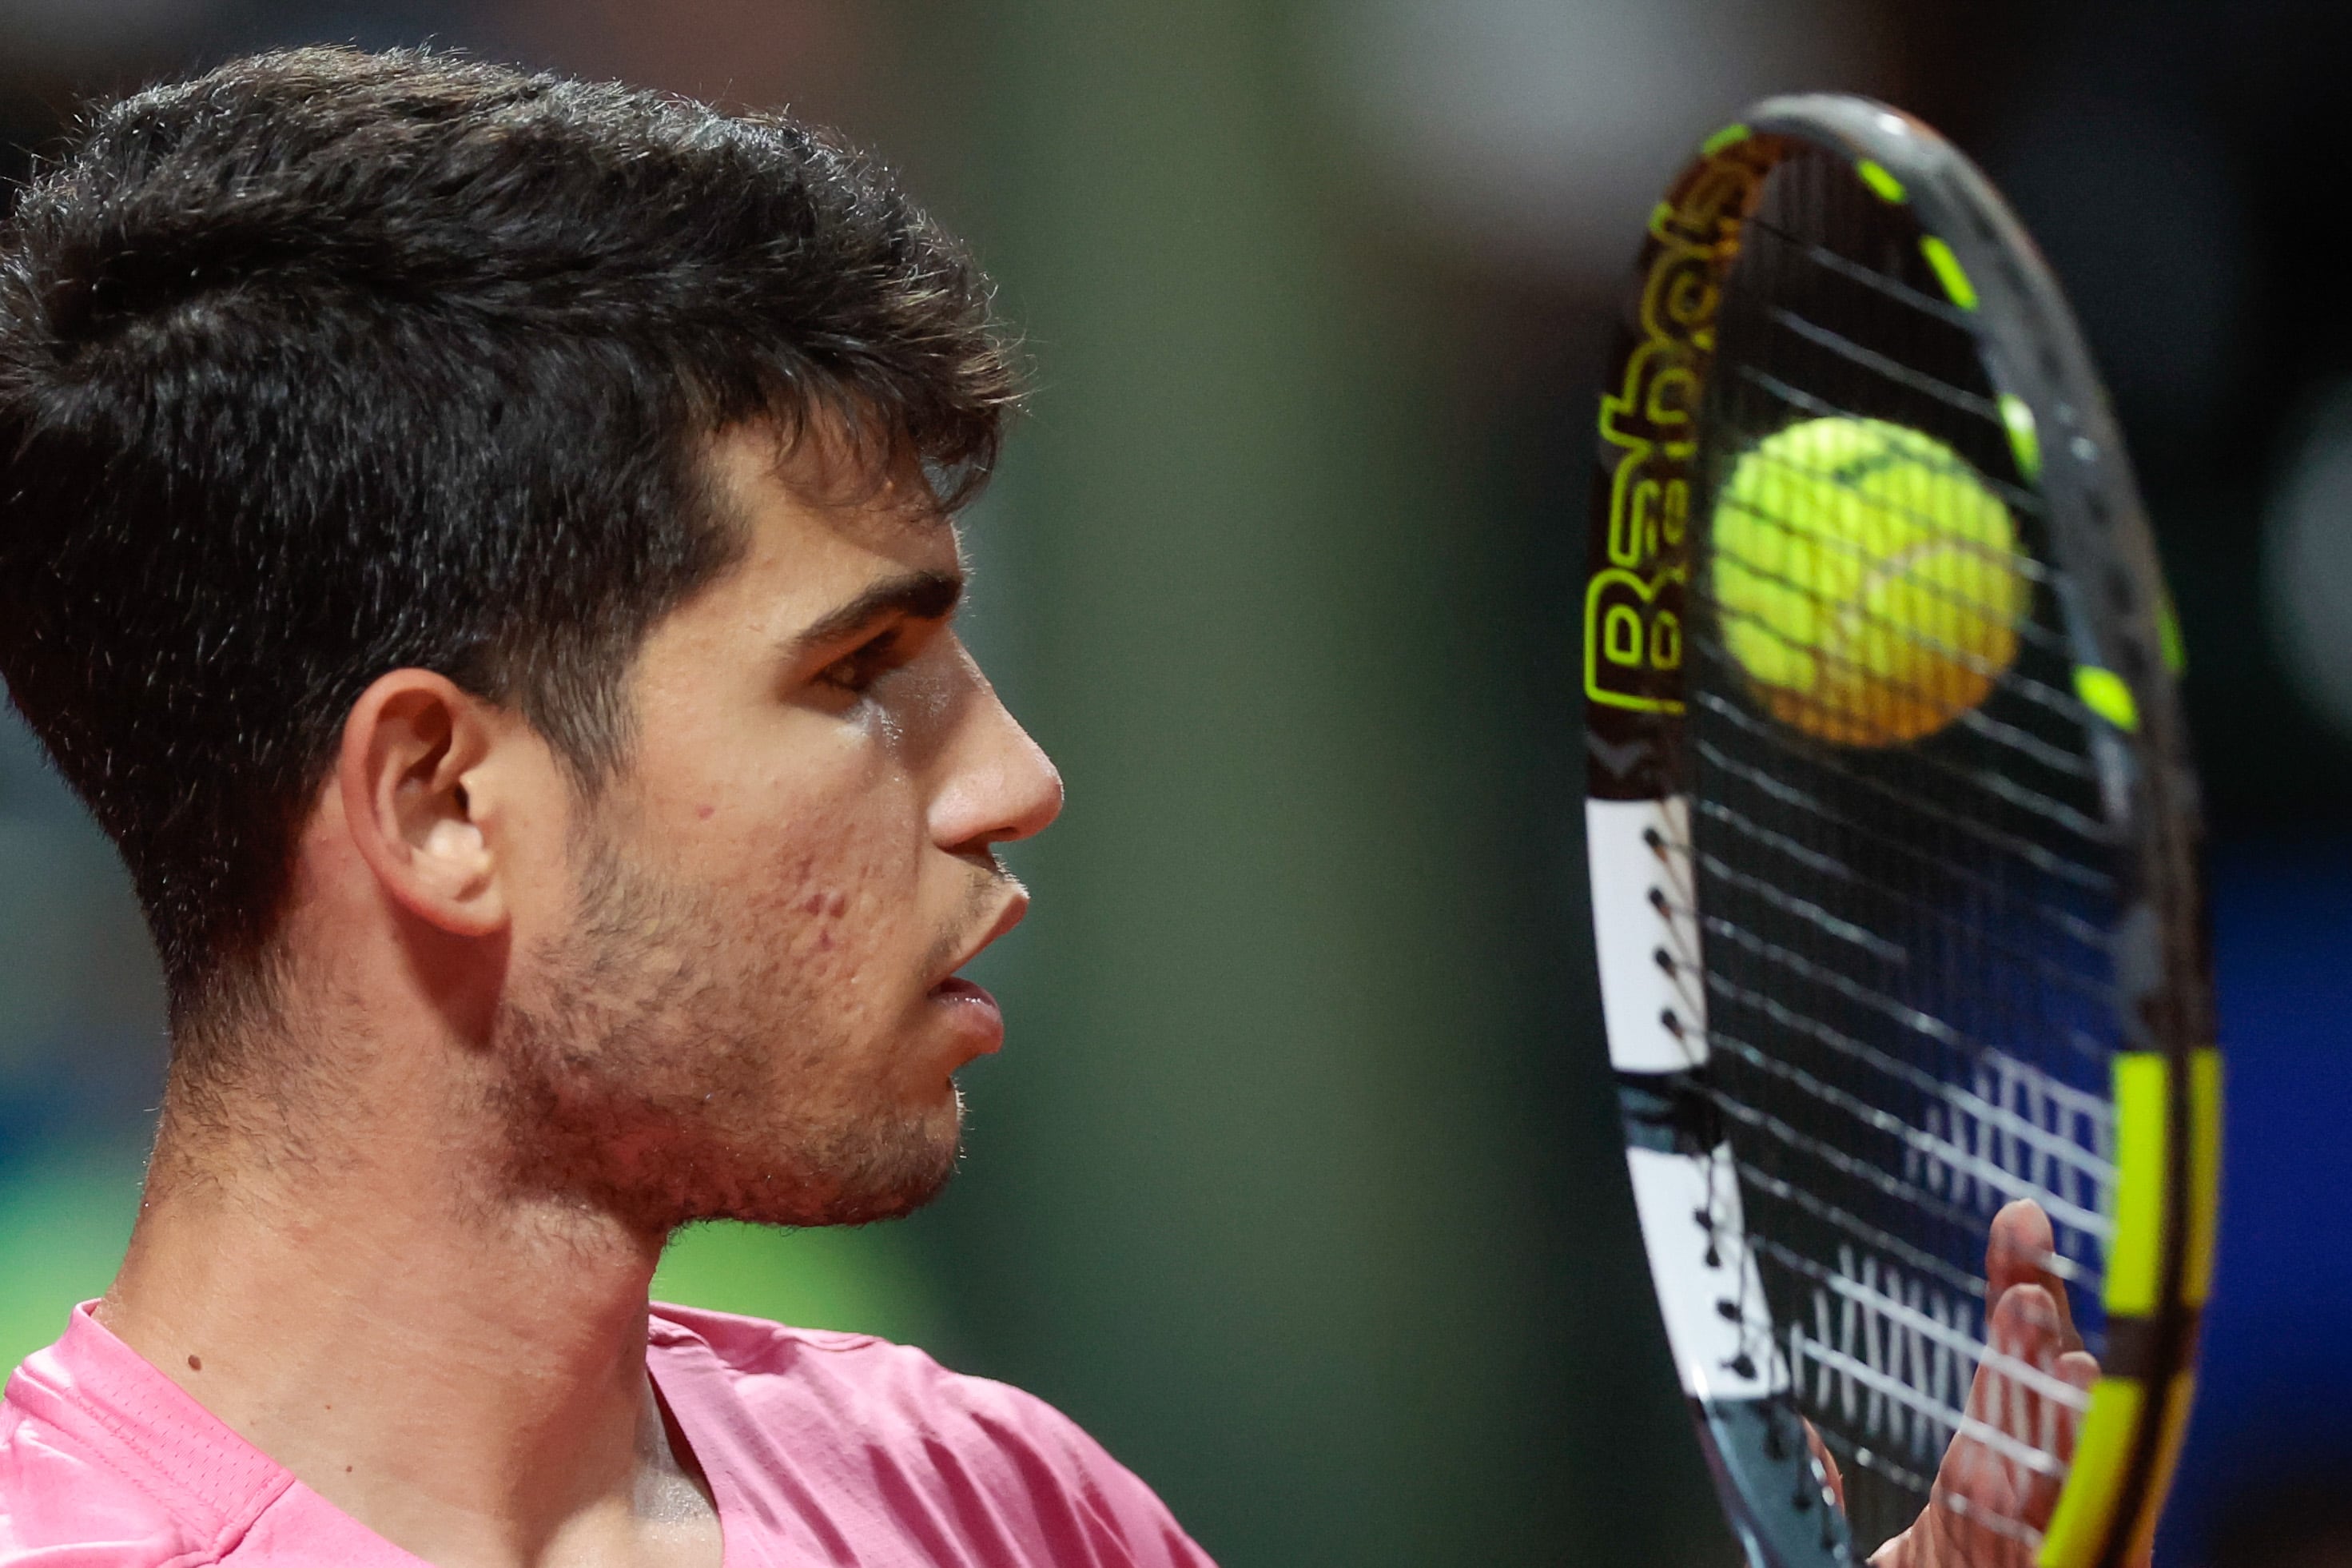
[916,1427]
[864,1380]
[106,1464]
[64,1505]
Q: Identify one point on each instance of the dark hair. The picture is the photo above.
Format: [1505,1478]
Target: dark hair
[327,364]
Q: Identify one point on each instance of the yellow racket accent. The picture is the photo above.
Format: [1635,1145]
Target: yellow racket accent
[2135,1258]
[1887,186]
[2143,1084]
[2024,437]
[2102,1448]
[2103,691]
[1949,272]
[2167,631]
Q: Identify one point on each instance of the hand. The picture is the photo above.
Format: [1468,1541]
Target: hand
[1981,1493]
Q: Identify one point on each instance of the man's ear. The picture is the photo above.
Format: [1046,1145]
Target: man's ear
[409,745]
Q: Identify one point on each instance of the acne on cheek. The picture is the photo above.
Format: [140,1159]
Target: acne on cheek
[828,906]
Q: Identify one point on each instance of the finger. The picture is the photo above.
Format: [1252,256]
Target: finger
[1979,1482]
[2028,1328]
[2079,1369]
[2020,1240]
[2018,1252]
[2026,1325]
[1986,1476]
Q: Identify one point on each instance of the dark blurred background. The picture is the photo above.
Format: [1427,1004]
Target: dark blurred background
[1298,1183]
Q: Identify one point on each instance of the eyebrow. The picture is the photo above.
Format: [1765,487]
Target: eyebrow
[919,596]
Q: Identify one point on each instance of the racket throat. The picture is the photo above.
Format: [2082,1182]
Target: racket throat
[1773,1488]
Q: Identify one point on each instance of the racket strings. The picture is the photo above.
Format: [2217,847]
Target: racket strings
[2017,498]
[1791,965]
[2092,988]
[1841,669]
[1909,1003]
[1893,509]
[1894,370]
[1829,1155]
[2074,817]
[1927,304]
[2075,1169]
[1755,1178]
[1855,1458]
[2018,948]
[2095,1125]
[2087,879]
[1936,1321]
[1918,1194]
[1901,955]
[1894,1404]
[1934,915]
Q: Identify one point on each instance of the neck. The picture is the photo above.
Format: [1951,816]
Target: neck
[462,1370]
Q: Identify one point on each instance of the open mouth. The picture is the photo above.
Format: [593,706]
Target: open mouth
[972,1013]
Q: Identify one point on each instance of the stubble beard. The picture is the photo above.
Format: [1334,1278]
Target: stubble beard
[663,1072]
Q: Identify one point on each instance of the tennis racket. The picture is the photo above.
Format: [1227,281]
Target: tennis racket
[1893,848]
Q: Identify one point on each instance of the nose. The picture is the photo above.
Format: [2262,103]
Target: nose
[999,784]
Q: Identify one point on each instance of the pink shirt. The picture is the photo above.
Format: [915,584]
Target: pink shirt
[820,1448]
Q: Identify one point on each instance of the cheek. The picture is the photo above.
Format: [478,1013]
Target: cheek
[824,908]
[833,894]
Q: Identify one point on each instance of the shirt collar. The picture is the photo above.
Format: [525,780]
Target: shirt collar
[92,1385]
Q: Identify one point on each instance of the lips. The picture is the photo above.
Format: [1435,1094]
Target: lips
[972,1011]
[956,988]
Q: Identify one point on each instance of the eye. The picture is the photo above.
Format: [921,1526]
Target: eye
[856,670]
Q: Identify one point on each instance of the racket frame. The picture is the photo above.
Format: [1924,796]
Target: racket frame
[2125,647]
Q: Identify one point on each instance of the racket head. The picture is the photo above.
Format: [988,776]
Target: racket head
[1894,846]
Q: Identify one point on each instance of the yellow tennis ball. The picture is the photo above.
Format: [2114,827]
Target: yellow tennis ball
[1867,578]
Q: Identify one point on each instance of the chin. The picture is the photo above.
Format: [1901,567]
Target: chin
[875,1173]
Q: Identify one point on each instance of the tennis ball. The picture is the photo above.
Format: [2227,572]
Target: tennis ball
[1867,578]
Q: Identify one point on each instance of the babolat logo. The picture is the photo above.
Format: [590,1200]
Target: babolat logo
[1633,603]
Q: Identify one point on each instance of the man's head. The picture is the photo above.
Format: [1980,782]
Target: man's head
[515,510]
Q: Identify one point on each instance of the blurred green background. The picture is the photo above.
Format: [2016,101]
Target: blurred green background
[1297,1182]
